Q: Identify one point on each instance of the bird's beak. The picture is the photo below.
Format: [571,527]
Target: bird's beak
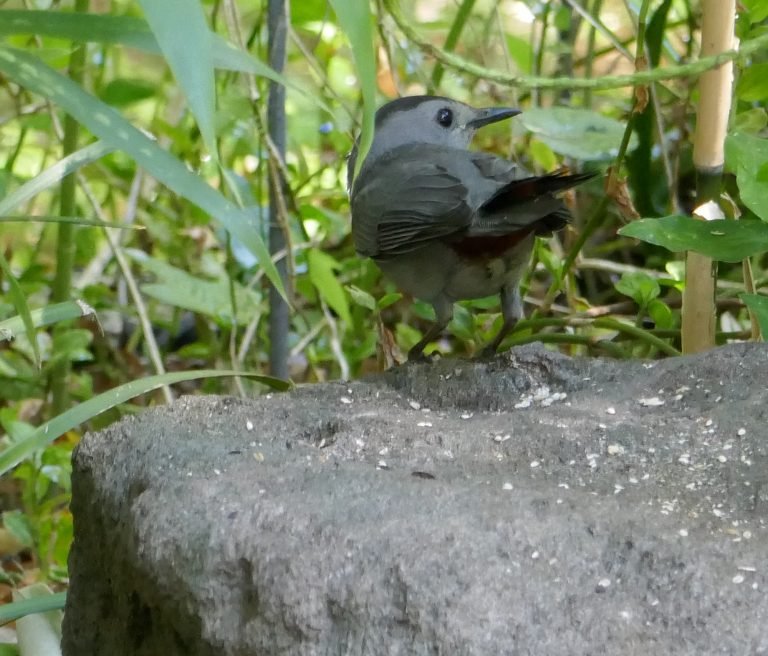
[491,115]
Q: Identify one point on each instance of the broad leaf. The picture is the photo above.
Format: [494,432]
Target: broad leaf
[748,157]
[759,306]
[209,297]
[640,287]
[579,133]
[724,240]
[321,267]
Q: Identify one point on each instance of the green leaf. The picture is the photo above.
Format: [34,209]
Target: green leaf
[579,133]
[355,19]
[640,287]
[121,92]
[521,51]
[110,126]
[661,314]
[758,9]
[753,83]
[759,306]
[747,155]
[54,174]
[321,273]
[389,299]
[11,612]
[723,240]
[751,120]
[361,297]
[72,344]
[39,633]
[209,297]
[18,525]
[46,316]
[19,301]
[49,431]
[135,33]
[186,45]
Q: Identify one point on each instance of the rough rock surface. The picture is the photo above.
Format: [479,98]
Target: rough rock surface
[530,504]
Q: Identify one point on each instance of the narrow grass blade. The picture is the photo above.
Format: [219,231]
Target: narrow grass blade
[46,316]
[20,303]
[86,410]
[192,66]
[17,609]
[53,175]
[355,19]
[110,126]
[134,33]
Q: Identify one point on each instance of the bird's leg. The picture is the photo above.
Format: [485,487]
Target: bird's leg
[512,311]
[443,314]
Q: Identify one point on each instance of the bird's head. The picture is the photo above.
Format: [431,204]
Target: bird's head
[430,120]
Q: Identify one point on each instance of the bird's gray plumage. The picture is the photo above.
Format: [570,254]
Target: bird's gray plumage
[446,223]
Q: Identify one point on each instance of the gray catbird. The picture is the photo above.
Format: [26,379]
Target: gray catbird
[443,222]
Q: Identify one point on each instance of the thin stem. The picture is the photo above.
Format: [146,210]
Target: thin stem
[503,78]
[65,243]
[465,9]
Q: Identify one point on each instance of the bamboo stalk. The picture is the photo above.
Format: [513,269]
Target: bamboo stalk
[717,36]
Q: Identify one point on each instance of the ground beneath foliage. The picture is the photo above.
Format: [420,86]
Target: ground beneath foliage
[529,504]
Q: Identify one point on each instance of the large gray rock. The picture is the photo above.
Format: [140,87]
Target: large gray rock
[532,504]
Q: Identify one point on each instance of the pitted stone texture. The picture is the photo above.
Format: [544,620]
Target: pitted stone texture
[529,504]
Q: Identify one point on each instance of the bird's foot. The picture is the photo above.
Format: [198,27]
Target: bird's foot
[487,352]
[418,355]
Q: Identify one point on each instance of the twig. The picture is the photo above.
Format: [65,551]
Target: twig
[503,78]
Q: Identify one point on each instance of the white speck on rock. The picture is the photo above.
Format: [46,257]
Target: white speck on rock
[683,532]
[346,400]
[423,424]
[249,425]
[415,405]
[535,464]
[685,459]
[652,402]
[610,411]
[741,432]
[615,449]
[507,486]
[739,578]
[722,458]
[466,415]
[604,583]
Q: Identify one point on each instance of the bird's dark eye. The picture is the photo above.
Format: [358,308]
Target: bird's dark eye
[445,117]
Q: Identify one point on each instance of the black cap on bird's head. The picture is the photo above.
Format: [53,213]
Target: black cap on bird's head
[427,119]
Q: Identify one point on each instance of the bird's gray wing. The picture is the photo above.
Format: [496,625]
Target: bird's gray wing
[405,200]
[522,201]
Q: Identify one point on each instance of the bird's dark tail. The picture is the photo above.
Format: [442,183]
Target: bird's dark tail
[526,190]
